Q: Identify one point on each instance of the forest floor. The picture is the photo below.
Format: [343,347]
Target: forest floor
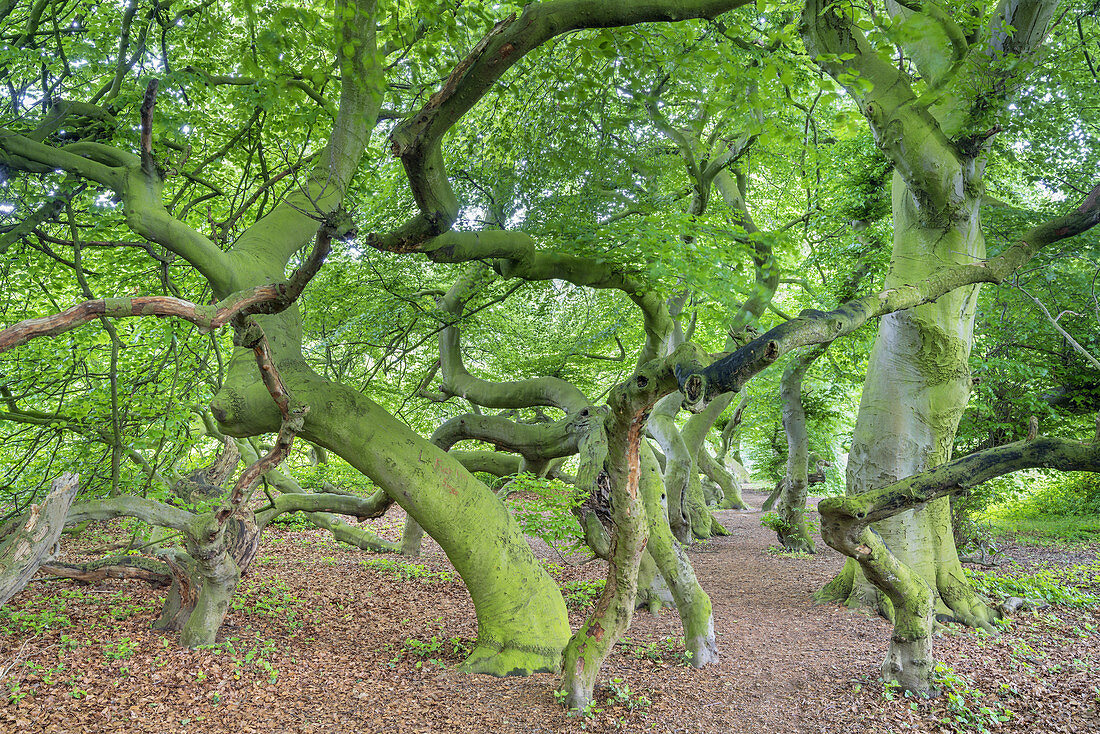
[323,638]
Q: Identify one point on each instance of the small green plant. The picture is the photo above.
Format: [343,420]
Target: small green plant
[123,609]
[256,657]
[403,571]
[665,650]
[34,622]
[963,712]
[553,568]
[267,667]
[582,593]
[16,692]
[544,509]
[433,649]
[269,597]
[621,695]
[47,674]
[428,650]
[121,650]
[590,711]
[773,521]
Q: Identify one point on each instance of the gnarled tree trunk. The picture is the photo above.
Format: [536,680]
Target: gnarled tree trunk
[521,615]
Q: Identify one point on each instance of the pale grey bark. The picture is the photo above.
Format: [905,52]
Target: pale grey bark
[29,541]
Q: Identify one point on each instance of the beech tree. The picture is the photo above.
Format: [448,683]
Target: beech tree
[937,137]
[237,154]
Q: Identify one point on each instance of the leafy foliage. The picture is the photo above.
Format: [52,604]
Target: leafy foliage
[544,509]
[1051,586]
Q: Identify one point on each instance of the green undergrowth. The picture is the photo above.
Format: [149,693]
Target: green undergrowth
[582,593]
[1066,494]
[293,521]
[124,606]
[964,710]
[433,647]
[269,597]
[1063,528]
[34,619]
[436,650]
[245,657]
[405,571]
[1040,506]
[578,593]
[665,650]
[957,707]
[1071,586]
[774,521]
[334,473]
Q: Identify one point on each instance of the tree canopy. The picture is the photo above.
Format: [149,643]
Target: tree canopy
[633,247]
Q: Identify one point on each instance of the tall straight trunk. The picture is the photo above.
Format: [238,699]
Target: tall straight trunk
[918,382]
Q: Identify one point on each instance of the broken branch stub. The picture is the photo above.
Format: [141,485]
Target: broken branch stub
[30,540]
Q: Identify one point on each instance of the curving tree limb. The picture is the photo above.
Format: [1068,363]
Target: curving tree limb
[845,525]
[264,299]
[817,327]
[535,391]
[416,141]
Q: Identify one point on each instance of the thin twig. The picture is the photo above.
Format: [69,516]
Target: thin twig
[1065,334]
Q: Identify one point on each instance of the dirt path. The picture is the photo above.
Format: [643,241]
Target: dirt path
[782,657]
[325,639]
[777,644]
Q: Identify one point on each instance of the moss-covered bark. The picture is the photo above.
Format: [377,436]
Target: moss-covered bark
[845,525]
[591,644]
[692,603]
[694,433]
[918,380]
[625,469]
[679,466]
[792,531]
[521,615]
[342,531]
[204,573]
[918,383]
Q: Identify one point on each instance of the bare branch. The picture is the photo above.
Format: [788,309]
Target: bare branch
[265,299]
